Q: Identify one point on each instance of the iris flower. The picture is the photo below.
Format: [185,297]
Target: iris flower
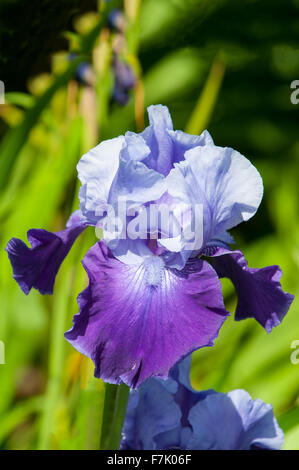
[153,300]
[172,415]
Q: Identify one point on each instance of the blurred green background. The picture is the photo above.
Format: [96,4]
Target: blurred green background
[224,65]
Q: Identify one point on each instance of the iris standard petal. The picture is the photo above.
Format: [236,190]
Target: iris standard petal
[223,182]
[165,145]
[232,185]
[183,142]
[233,421]
[37,266]
[158,139]
[259,290]
[96,171]
[136,147]
[136,183]
[136,322]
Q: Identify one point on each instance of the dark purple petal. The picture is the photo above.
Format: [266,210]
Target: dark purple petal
[37,266]
[259,291]
[135,322]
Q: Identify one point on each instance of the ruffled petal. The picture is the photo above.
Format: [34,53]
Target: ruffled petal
[136,147]
[96,171]
[223,183]
[37,266]
[136,322]
[144,420]
[183,142]
[158,139]
[159,146]
[155,411]
[171,415]
[232,185]
[233,421]
[136,183]
[259,291]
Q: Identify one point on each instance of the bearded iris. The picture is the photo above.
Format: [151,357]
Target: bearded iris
[172,415]
[151,301]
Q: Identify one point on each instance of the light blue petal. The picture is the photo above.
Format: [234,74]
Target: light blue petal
[158,139]
[96,171]
[232,185]
[260,426]
[183,142]
[131,252]
[144,420]
[136,183]
[225,183]
[136,147]
[169,440]
[233,421]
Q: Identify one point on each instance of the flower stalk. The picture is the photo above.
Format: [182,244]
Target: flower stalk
[116,399]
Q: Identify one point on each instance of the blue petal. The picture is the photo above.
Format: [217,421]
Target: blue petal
[232,185]
[158,139]
[233,421]
[144,419]
[223,182]
[183,142]
[136,183]
[96,171]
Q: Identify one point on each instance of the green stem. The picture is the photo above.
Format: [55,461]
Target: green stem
[110,396]
[56,362]
[116,399]
[201,115]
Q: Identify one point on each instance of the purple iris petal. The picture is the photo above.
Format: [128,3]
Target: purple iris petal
[207,420]
[37,266]
[135,322]
[259,291]
[150,301]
